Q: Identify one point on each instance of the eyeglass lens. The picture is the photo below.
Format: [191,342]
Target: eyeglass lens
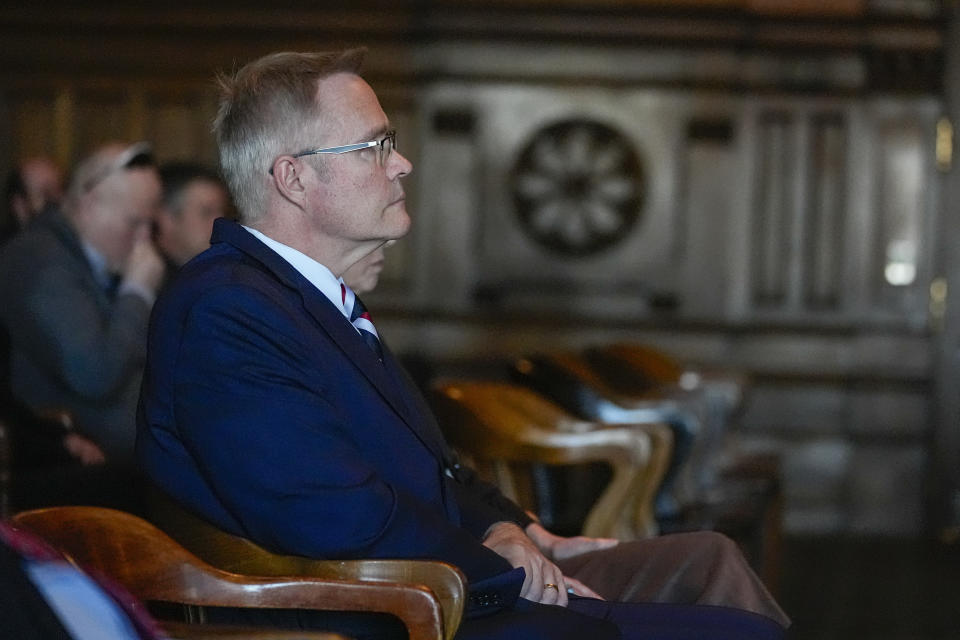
[386,147]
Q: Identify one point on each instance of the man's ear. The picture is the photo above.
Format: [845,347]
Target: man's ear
[286,178]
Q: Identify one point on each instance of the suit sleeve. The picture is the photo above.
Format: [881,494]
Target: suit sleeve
[94,354]
[483,504]
[243,404]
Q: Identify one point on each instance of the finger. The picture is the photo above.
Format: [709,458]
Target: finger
[605,543]
[549,575]
[561,599]
[557,593]
[527,583]
[533,585]
[550,591]
[581,589]
[576,546]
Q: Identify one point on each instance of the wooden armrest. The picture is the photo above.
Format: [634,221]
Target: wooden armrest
[625,394]
[154,567]
[504,423]
[579,386]
[414,605]
[654,364]
[189,631]
[240,555]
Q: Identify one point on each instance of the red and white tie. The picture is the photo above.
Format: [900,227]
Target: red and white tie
[360,318]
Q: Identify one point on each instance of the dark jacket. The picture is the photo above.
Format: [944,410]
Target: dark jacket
[73,346]
[264,411]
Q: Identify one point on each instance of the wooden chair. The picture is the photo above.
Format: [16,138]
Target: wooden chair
[235,554]
[571,381]
[156,568]
[721,394]
[504,428]
[657,367]
[721,391]
[713,486]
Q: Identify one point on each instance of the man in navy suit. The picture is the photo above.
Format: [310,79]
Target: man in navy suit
[271,408]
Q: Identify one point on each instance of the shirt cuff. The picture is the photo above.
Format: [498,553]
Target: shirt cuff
[137,289]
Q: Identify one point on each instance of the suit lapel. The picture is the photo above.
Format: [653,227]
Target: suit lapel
[386,377]
[67,235]
[383,376]
[417,406]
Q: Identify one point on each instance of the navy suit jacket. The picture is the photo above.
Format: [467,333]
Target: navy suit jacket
[264,411]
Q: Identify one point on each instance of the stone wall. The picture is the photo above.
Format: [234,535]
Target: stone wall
[746,184]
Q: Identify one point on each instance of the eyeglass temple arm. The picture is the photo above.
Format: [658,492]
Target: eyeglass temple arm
[343,149]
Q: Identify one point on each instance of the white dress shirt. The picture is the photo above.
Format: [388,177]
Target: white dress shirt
[318,275]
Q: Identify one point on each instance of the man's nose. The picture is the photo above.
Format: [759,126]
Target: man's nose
[398,165]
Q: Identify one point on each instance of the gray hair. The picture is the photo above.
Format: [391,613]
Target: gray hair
[99,165]
[263,108]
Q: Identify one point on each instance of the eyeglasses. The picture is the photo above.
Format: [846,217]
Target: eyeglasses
[385,145]
[136,155]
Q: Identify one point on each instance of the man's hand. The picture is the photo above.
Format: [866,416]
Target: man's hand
[144,266]
[83,449]
[559,548]
[509,540]
[581,589]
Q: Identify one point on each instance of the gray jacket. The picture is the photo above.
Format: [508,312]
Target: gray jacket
[73,346]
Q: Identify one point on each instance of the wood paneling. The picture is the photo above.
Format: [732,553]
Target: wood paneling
[34,123]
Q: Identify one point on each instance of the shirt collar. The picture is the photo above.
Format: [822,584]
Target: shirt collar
[318,275]
[98,264]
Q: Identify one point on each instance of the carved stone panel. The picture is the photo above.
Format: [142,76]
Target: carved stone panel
[578,187]
[578,197]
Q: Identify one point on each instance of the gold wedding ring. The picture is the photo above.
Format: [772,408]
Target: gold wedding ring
[550,585]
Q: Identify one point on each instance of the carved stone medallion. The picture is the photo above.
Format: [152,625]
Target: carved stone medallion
[578,187]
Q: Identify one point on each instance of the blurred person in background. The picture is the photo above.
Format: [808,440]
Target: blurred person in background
[32,186]
[77,287]
[363,275]
[193,197]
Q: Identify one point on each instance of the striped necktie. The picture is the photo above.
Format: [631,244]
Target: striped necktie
[360,318]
